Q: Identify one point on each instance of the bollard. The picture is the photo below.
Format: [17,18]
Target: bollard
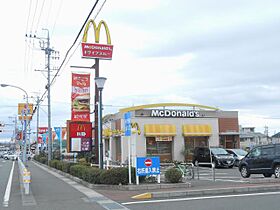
[25,176]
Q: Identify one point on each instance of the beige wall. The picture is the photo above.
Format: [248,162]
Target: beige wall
[138,142]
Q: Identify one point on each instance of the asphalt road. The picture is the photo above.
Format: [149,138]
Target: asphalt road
[259,201]
[5,168]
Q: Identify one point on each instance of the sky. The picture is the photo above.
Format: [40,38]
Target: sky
[218,53]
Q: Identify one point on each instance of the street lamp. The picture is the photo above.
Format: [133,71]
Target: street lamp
[25,123]
[100,81]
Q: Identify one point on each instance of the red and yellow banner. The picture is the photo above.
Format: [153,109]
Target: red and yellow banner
[80,97]
[79,136]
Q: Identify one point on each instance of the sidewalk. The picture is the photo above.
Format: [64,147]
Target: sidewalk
[195,188]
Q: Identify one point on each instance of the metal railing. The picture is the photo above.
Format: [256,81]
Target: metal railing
[25,176]
[205,164]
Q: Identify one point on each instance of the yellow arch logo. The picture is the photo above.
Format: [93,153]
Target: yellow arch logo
[97,31]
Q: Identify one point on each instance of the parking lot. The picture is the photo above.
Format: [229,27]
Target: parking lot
[224,175]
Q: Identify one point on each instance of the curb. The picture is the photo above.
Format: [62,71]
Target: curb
[216,191]
[117,187]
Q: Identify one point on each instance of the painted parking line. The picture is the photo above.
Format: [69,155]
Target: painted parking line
[8,188]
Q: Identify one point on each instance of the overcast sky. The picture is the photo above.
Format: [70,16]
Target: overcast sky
[218,53]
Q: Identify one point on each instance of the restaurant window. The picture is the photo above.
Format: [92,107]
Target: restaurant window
[160,146]
[194,141]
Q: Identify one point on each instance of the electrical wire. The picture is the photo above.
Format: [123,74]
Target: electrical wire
[40,14]
[67,53]
[59,69]
[58,12]
[34,15]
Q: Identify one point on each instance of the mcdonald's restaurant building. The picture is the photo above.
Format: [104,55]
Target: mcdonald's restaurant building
[171,134]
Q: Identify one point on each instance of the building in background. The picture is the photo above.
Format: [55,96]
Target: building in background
[275,138]
[249,138]
[170,131]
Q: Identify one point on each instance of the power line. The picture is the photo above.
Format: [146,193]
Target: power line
[40,14]
[58,11]
[34,15]
[66,55]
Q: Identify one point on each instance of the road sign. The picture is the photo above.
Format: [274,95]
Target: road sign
[147,166]
[127,123]
[148,162]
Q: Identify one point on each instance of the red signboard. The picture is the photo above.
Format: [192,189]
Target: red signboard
[80,136]
[96,50]
[43,130]
[80,97]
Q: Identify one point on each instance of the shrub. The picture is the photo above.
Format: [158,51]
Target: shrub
[78,170]
[59,165]
[65,167]
[43,160]
[92,175]
[173,175]
[53,163]
[114,176]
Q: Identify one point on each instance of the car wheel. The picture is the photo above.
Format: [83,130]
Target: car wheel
[277,171]
[267,175]
[244,172]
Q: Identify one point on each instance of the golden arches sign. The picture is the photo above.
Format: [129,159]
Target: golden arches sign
[109,133]
[97,31]
[96,50]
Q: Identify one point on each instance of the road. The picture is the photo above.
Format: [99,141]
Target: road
[5,168]
[50,191]
[258,201]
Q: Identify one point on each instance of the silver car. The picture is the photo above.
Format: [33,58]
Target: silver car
[238,155]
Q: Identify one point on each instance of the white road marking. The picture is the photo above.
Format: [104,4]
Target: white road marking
[8,188]
[225,180]
[202,198]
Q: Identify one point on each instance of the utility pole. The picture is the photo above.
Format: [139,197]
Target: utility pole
[45,46]
[266,133]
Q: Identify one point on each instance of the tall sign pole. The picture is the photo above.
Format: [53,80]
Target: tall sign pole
[96,51]
[96,115]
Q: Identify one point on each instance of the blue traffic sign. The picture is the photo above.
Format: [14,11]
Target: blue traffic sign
[147,166]
[127,124]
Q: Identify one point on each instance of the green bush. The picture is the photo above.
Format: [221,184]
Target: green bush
[59,166]
[173,175]
[43,160]
[53,163]
[78,170]
[92,175]
[66,166]
[114,176]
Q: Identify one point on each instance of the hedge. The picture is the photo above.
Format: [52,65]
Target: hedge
[173,175]
[113,176]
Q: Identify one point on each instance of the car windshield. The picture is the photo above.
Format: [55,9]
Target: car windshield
[219,151]
[240,152]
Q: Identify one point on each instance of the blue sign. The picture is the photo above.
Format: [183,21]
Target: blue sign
[127,124]
[58,131]
[146,166]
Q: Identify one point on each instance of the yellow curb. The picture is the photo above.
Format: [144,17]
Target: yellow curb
[143,196]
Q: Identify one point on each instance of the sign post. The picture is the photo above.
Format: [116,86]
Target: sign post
[127,124]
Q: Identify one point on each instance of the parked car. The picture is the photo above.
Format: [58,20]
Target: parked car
[10,156]
[238,155]
[264,159]
[220,157]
